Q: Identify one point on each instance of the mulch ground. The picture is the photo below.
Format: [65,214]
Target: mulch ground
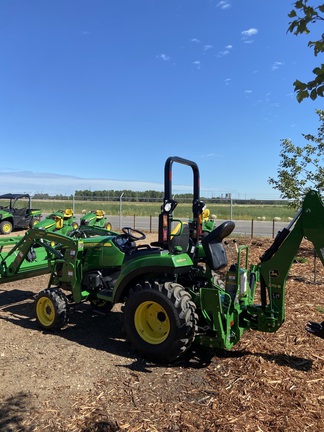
[85,378]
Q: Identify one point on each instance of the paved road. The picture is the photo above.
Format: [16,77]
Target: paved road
[246,228]
[242,227]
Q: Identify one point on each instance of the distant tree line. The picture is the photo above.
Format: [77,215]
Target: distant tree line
[114,195]
[146,196]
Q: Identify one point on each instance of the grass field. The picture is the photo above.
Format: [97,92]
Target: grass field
[222,211]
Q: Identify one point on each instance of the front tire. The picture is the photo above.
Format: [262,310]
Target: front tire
[160,320]
[100,305]
[51,309]
[33,222]
[75,225]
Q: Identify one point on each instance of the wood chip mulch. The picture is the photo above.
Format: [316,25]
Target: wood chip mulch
[268,382]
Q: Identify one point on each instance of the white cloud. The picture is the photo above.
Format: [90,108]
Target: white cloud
[250,32]
[208,47]
[209,155]
[163,57]
[247,35]
[195,40]
[53,184]
[224,4]
[276,65]
[197,63]
[225,52]
[228,81]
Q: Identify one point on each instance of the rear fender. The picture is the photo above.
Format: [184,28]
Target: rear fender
[158,264]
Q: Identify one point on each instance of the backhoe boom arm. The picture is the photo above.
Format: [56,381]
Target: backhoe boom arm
[277,260]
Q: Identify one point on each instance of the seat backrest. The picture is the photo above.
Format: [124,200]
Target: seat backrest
[216,255]
[68,213]
[179,241]
[206,214]
[59,222]
[213,246]
[100,214]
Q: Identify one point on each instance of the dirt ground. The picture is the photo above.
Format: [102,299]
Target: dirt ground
[85,377]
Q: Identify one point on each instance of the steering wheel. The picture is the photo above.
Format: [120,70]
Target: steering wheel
[77,234]
[131,233]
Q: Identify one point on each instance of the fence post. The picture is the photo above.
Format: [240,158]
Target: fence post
[134,222]
[150,223]
[120,210]
[273,228]
[252,229]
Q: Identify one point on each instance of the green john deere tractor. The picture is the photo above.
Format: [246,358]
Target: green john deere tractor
[95,218]
[16,213]
[171,290]
[61,222]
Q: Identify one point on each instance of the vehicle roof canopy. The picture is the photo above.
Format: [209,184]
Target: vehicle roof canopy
[14,196]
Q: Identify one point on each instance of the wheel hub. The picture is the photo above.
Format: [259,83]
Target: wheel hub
[152,322]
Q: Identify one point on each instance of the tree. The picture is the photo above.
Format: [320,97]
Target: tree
[303,15]
[301,168]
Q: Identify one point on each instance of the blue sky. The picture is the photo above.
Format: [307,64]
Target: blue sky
[96,94]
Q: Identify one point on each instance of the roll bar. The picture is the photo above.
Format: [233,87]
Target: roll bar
[165,217]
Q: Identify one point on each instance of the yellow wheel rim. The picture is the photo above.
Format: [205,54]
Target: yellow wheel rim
[45,311]
[6,228]
[152,322]
[108,226]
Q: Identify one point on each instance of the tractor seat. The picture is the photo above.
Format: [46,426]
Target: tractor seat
[179,243]
[206,214]
[68,213]
[59,222]
[100,214]
[213,246]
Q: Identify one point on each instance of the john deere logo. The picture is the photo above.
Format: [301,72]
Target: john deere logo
[274,273]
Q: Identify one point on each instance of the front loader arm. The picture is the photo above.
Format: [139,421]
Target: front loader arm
[277,260]
[12,261]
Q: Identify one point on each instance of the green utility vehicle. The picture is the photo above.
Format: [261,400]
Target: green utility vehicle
[170,289]
[61,221]
[16,212]
[95,218]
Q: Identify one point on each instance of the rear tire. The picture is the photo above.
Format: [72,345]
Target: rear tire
[5,227]
[160,320]
[107,226]
[51,309]
[33,222]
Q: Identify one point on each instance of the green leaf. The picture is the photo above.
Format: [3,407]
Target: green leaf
[313,94]
[320,90]
[299,4]
[317,71]
[301,95]
[299,85]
